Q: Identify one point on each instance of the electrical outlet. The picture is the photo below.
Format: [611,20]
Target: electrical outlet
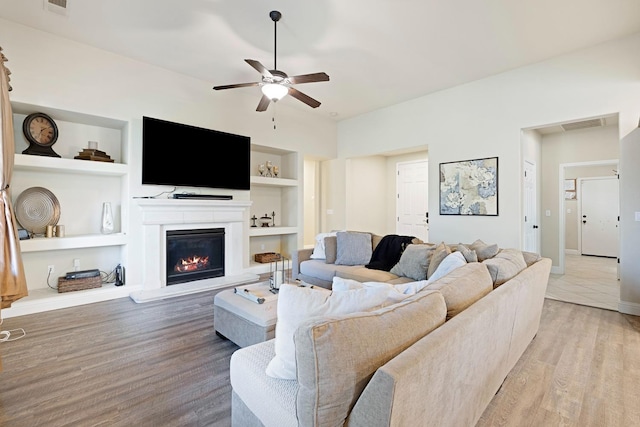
[50,269]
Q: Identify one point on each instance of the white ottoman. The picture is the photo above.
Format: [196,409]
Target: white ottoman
[242,320]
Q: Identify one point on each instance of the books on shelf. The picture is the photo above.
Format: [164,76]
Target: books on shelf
[258,293]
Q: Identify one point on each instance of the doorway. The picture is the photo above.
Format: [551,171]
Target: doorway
[412,202]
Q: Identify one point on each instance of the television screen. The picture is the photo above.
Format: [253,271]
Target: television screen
[188,156]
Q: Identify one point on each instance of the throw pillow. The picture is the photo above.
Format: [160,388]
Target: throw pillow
[330,249]
[318,249]
[483,250]
[469,254]
[448,264]
[439,253]
[354,248]
[337,356]
[414,262]
[505,265]
[299,303]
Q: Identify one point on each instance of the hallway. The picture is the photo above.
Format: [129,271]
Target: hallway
[588,280]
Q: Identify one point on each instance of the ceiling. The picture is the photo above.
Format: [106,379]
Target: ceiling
[376,53]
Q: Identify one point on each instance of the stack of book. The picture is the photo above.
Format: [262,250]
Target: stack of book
[94,154]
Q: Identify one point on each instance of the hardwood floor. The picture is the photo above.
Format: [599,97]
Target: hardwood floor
[118,363]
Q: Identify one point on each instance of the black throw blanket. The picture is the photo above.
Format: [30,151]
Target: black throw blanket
[388,252]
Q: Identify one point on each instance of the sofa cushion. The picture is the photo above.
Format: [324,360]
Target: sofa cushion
[463,286]
[336,356]
[354,248]
[414,262]
[318,268]
[318,248]
[439,253]
[483,250]
[363,274]
[299,303]
[330,249]
[505,265]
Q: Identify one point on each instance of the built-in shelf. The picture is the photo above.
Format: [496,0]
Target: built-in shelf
[72,242]
[273,182]
[27,162]
[271,231]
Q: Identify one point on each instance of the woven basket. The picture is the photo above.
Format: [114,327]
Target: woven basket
[267,257]
[68,285]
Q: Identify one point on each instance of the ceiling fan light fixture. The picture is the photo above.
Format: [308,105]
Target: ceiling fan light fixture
[274,91]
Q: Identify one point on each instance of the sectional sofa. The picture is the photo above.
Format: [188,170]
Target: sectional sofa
[434,358]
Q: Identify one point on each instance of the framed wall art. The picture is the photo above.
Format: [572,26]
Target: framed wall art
[469,187]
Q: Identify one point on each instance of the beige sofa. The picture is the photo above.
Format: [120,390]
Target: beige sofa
[436,358]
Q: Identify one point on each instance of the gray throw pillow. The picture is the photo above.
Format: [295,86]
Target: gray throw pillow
[414,262]
[439,253]
[469,254]
[483,250]
[330,249]
[354,248]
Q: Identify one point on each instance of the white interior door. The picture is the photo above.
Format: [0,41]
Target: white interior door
[412,207]
[599,210]
[531,230]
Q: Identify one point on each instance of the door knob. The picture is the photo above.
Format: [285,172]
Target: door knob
[535,226]
[584,221]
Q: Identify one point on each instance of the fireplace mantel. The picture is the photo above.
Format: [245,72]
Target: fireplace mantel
[160,215]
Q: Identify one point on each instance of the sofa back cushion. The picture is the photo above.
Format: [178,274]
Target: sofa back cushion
[463,286]
[337,356]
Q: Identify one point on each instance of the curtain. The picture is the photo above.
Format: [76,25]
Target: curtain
[13,284]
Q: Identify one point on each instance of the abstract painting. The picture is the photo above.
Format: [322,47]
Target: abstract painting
[469,187]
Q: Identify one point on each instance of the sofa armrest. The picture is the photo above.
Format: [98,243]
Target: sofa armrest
[298,257]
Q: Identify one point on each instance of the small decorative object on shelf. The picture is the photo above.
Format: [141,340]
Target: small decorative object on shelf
[265,220]
[273,219]
[92,153]
[41,133]
[107,219]
[261,169]
[276,171]
[253,220]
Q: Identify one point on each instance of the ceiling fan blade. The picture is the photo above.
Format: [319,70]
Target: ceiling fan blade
[309,78]
[263,104]
[304,98]
[235,86]
[259,67]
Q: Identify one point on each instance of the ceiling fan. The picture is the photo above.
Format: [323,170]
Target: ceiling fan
[276,84]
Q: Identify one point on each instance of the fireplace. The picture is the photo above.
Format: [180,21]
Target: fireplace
[194,254]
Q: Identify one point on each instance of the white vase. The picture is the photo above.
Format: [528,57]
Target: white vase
[107,219]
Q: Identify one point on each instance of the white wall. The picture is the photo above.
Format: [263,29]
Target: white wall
[629,225]
[485,119]
[54,72]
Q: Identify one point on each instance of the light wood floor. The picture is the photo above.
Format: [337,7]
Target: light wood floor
[118,363]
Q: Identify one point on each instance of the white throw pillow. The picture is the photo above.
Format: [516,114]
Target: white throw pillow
[448,264]
[297,304]
[318,249]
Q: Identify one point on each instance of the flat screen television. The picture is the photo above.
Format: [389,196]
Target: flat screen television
[188,156]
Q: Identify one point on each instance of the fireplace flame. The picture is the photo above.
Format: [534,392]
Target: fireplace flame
[193,263]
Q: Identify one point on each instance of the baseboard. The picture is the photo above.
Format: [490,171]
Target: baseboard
[571,252]
[556,270]
[626,307]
